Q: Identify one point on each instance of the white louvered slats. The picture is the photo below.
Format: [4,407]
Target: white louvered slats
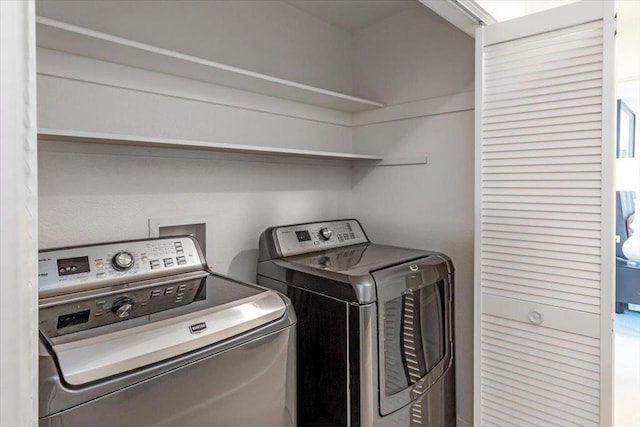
[543,219]
[582,189]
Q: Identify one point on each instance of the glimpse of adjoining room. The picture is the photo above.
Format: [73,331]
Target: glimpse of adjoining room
[627,329]
[627,286]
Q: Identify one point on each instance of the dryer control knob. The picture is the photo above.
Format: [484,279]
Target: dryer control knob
[122,261]
[325,233]
[122,307]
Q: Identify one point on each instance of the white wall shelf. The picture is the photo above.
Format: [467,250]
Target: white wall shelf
[45,135]
[69,38]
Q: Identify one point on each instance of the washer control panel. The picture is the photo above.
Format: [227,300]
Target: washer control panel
[63,271]
[318,236]
[115,305]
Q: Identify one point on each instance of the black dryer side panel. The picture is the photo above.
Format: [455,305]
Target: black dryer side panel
[322,359]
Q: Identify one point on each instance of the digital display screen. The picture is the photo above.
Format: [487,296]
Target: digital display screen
[303,236]
[73,265]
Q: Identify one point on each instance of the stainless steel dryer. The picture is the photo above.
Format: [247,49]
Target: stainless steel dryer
[375,325]
[141,333]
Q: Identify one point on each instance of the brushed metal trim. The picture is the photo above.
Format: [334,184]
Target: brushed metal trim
[91,359]
[290,245]
[270,247]
[56,396]
[348,381]
[50,284]
[388,290]
[368,364]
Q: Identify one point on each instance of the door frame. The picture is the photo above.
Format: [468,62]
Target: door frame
[19,220]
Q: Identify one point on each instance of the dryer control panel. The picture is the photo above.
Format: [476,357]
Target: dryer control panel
[318,236]
[63,271]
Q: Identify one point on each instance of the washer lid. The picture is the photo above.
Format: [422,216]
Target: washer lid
[231,308]
[357,260]
[351,265]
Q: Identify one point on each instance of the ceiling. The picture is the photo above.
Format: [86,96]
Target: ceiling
[352,15]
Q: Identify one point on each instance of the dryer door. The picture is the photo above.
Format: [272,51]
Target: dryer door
[414,324]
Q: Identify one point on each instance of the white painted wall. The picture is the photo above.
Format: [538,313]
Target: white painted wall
[79,105]
[78,68]
[413,56]
[87,198]
[266,36]
[428,207]
[100,193]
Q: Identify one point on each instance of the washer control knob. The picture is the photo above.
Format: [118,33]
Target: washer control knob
[325,234]
[122,261]
[122,307]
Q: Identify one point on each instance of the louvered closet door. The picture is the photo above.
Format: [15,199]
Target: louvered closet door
[544,219]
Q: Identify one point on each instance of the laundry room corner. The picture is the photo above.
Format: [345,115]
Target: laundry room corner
[428,205]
